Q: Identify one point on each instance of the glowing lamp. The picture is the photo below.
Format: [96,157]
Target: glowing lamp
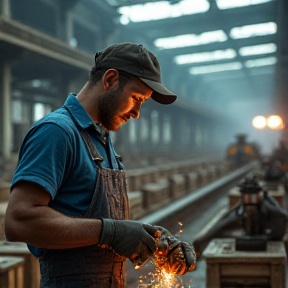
[275,122]
[259,122]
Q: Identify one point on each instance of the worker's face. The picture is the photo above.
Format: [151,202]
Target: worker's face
[117,105]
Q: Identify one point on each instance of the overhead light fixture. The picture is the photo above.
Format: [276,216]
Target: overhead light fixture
[247,31]
[205,56]
[215,68]
[259,122]
[272,122]
[228,4]
[258,49]
[261,62]
[275,122]
[161,10]
[191,39]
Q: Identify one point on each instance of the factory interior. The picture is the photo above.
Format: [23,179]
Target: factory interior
[197,165]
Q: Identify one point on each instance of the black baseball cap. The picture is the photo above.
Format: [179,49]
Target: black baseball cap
[134,59]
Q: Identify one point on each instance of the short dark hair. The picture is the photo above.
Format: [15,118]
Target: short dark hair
[96,74]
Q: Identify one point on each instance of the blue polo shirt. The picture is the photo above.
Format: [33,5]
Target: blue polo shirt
[54,155]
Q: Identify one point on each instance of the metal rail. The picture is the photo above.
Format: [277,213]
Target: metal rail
[20,35]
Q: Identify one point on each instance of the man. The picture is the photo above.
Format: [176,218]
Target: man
[68,195]
[241,152]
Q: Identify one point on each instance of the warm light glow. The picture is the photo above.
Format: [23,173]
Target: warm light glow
[275,122]
[162,277]
[259,122]
[159,278]
[272,122]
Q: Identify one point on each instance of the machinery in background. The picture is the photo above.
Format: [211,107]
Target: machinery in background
[254,220]
[280,156]
[275,167]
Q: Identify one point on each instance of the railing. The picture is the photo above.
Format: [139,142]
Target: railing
[28,38]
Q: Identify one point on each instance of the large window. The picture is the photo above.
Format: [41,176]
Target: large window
[16,112]
[132,131]
[144,129]
[21,112]
[198,136]
[186,132]
[40,110]
[167,133]
[154,127]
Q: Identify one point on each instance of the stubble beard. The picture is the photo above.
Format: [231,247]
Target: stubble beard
[108,110]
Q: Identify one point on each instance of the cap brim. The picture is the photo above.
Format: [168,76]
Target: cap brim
[160,94]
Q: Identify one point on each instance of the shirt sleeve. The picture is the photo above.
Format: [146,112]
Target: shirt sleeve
[43,157]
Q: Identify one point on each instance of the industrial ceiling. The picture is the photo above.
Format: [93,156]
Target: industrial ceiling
[229,55]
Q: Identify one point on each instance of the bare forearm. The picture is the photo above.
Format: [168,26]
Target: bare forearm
[47,228]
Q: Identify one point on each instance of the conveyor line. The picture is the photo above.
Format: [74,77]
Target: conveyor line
[177,205]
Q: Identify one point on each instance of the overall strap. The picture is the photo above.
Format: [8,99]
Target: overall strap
[95,155]
[117,157]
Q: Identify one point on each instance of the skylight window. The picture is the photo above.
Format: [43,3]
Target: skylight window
[228,4]
[253,30]
[261,62]
[258,49]
[191,40]
[161,10]
[215,68]
[205,56]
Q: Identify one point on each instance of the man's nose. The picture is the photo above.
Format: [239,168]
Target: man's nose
[135,111]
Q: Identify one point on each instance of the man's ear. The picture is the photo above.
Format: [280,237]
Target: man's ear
[110,78]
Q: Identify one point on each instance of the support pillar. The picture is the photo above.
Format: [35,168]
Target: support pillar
[175,124]
[5,111]
[65,20]
[65,27]
[69,27]
[5,8]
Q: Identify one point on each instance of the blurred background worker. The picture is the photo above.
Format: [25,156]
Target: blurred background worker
[240,152]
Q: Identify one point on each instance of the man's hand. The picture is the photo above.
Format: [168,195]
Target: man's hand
[182,258]
[139,242]
[172,255]
[130,239]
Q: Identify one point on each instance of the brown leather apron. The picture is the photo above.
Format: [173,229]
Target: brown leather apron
[91,266]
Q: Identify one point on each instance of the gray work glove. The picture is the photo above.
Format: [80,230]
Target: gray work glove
[130,239]
[139,242]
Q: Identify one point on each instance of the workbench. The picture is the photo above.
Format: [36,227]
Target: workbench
[226,267]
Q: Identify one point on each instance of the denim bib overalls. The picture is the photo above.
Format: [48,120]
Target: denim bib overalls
[91,266]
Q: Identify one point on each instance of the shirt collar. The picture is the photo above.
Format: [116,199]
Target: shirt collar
[81,115]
